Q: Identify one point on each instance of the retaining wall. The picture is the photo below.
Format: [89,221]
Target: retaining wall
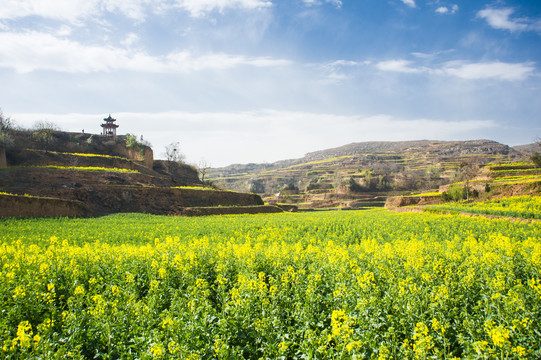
[400,201]
[24,206]
[229,210]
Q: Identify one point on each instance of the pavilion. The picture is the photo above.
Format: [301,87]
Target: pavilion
[109,128]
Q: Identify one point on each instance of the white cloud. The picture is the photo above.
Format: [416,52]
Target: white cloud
[442,10]
[198,8]
[64,30]
[68,10]
[447,10]
[500,19]
[130,40]
[471,71]
[432,55]
[402,66]
[339,70]
[410,3]
[337,3]
[74,11]
[31,51]
[490,70]
[269,134]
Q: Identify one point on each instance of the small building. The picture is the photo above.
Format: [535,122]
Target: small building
[109,128]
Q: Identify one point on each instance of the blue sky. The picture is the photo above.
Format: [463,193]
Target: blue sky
[237,81]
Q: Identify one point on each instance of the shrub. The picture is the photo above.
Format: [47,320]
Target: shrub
[455,193]
[131,141]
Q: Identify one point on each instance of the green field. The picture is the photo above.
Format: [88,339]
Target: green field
[322,285]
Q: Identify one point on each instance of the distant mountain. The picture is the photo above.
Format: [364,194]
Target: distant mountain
[369,167]
[528,148]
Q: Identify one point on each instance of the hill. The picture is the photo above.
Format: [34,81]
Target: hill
[360,174]
[76,174]
[528,148]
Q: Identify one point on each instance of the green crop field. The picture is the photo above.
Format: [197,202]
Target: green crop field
[322,285]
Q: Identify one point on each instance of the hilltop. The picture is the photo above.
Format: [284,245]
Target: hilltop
[363,173]
[75,174]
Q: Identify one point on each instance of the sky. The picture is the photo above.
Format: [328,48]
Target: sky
[240,81]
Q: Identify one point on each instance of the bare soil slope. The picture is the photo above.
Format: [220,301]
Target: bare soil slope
[105,175]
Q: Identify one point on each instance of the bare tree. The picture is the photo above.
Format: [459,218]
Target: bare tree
[173,153]
[537,141]
[6,124]
[203,166]
[468,171]
[44,133]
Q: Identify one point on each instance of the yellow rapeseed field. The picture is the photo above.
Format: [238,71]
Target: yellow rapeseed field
[523,206]
[322,285]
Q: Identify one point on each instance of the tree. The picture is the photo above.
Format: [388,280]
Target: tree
[203,167]
[468,171]
[536,159]
[455,193]
[354,186]
[133,143]
[44,133]
[433,172]
[173,154]
[6,124]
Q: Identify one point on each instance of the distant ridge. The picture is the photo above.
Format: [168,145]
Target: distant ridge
[482,146]
[528,148]
[370,167]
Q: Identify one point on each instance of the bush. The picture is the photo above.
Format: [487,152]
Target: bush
[455,193]
[131,141]
[354,185]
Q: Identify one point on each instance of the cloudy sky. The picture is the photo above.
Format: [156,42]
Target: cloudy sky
[237,81]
